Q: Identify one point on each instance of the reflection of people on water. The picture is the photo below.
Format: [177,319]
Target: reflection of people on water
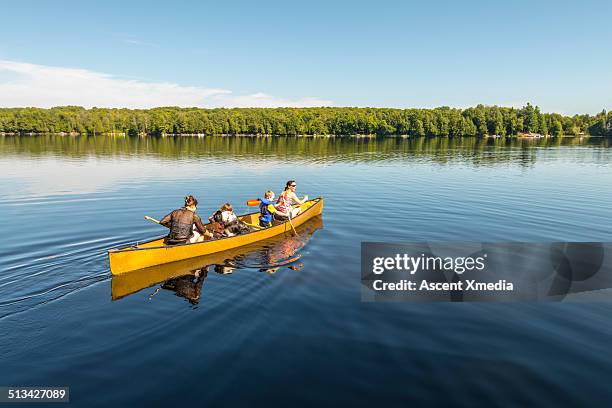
[185,226]
[282,253]
[224,269]
[188,286]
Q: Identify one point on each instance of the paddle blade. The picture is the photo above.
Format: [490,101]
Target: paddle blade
[253,203]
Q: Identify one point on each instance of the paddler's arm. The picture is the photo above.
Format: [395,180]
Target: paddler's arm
[296,199]
[167,220]
[198,223]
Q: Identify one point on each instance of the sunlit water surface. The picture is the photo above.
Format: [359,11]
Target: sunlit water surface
[284,321]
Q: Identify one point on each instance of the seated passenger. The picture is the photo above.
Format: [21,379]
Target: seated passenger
[266,209]
[227,221]
[285,201]
[185,226]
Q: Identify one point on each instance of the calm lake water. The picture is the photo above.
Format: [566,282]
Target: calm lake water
[283,322]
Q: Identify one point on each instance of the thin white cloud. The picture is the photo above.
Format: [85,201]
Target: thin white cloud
[24,84]
[132,41]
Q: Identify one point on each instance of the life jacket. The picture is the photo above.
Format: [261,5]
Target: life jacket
[266,209]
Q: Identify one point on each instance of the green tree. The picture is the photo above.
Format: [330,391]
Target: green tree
[543,126]
[530,118]
[557,128]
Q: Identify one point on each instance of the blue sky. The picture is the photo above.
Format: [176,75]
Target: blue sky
[393,54]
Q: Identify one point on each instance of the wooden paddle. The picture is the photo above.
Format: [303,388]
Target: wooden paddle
[291,223]
[252,225]
[151,219]
[254,203]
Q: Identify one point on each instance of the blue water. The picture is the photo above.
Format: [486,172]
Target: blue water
[287,325]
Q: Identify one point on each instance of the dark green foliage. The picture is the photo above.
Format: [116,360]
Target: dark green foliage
[543,130]
[444,121]
[531,116]
[601,124]
[557,128]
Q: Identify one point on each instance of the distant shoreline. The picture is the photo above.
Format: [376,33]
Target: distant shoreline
[480,120]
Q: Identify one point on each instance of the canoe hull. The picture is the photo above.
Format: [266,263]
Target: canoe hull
[153,252]
[275,251]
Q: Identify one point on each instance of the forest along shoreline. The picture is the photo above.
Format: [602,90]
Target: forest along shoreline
[481,120]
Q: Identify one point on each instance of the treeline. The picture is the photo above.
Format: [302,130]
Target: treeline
[477,121]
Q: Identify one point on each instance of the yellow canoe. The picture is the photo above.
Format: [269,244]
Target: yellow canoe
[277,250]
[154,252]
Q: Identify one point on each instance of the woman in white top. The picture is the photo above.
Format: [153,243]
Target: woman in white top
[226,217]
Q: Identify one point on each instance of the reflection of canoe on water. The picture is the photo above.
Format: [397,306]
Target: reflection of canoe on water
[274,251]
[154,252]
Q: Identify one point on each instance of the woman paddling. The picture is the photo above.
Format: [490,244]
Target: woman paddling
[185,226]
[286,200]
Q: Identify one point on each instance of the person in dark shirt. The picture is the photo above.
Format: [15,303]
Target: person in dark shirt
[185,226]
